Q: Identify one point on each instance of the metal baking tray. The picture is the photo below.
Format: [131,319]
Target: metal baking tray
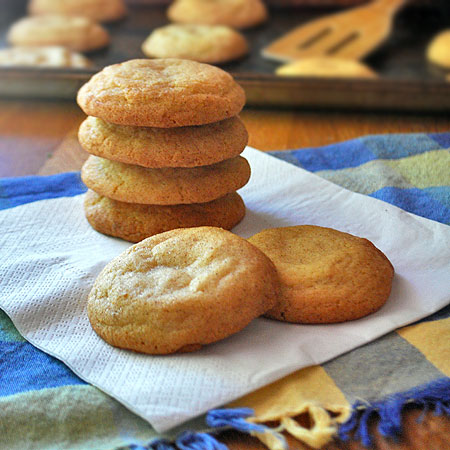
[406,82]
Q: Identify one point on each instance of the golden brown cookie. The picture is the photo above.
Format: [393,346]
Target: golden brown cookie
[326,67]
[438,51]
[326,276]
[213,44]
[98,10]
[135,222]
[180,290]
[166,186]
[164,147]
[76,33]
[233,13]
[161,93]
[42,57]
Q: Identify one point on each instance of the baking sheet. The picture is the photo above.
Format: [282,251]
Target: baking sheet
[407,81]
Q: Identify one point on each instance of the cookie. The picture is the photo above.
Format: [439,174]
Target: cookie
[42,57]
[164,147]
[327,276]
[326,67]
[214,44]
[180,290]
[98,10]
[135,222]
[161,93]
[438,51]
[76,33]
[233,13]
[166,186]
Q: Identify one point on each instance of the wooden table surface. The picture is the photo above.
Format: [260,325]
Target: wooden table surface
[40,137]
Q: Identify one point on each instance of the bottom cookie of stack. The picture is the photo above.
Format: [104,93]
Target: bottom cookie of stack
[134,222]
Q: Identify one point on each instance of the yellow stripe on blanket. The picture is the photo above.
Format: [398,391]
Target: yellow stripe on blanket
[310,393]
[428,169]
[433,340]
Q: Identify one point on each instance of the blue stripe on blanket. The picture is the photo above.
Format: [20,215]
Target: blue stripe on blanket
[21,190]
[358,151]
[417,201]
[443,139]
[24,368]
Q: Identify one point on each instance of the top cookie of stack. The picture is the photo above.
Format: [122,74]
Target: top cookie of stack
[166,139]
[161,93]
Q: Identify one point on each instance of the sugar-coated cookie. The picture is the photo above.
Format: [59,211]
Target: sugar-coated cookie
[135,222]
[212,44]
[165,186]
[326,67]
[98,10]
[438,51]
[76,33]
[233,13]
[180,290]
[42,57]
[327,276]
[164,147]
[161,93]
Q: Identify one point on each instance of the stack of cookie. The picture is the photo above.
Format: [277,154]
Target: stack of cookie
[165,140]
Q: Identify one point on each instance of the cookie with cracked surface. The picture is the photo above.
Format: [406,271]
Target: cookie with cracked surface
[233,13]
[42,57]
[213,44]
[134,222]
[180,290]
[161,93]
[164,147]
[76,33]
[327,276]
[165,186]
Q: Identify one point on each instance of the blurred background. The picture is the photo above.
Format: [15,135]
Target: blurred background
[400,59]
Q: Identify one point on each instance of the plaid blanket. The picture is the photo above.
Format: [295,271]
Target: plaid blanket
[43,405]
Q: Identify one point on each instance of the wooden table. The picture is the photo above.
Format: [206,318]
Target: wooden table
[40,137]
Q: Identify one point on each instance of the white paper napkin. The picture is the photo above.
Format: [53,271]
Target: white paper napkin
[50,256]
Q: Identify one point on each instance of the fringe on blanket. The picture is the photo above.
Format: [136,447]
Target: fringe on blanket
[435,396]
[325,423]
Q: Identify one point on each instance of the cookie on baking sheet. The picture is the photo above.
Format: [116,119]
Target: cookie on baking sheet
[161,93]
[212,44]
[98,10]
[438,51]
[165,186]
[135,222]
[326,67]
[327,276]
[233,13]
[164,147]
[76,33]
[42,57]
[180,290]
